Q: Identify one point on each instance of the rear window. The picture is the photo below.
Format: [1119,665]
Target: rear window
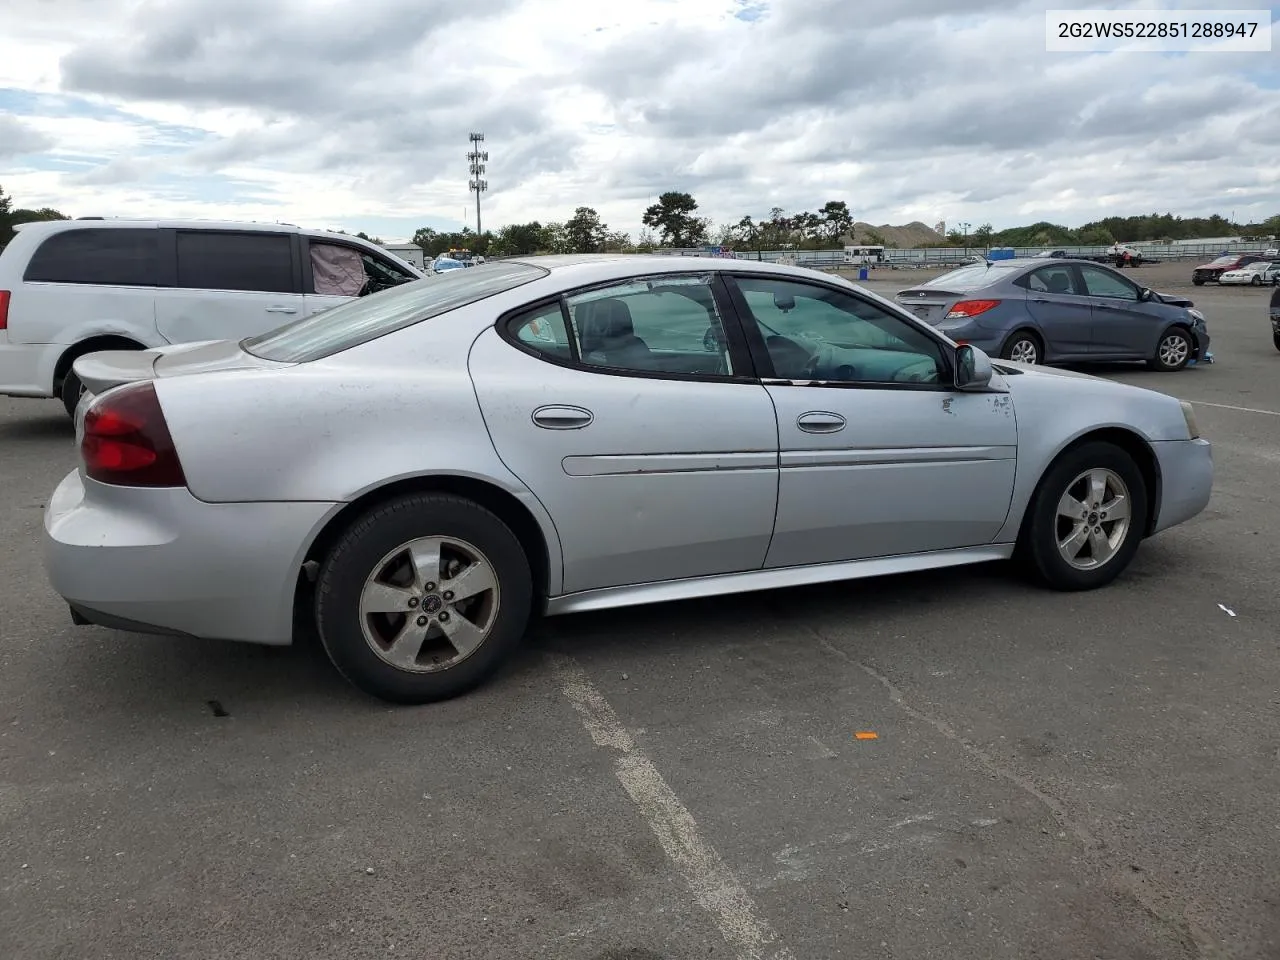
[359,321]
[109,257]
[970,278]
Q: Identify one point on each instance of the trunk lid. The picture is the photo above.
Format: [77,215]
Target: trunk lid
[930,304]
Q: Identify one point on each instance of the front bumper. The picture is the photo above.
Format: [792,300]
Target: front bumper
[1186,480]
[161,561]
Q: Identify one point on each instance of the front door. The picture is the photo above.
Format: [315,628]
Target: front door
[878,455]
[229,286]
[634,419]
[1123,326]
[1060,306]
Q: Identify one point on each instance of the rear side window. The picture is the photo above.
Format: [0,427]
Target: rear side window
[359,321]
[257,262]
[123,257]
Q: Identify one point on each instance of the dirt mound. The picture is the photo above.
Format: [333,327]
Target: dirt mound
[914,234]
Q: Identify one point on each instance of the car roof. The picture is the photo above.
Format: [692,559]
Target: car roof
[239,226]
[610,265]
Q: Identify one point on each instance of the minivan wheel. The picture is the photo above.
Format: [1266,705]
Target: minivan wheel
[1173,352]
[1022,347]
[1085,521]
[423,597]
[70,392]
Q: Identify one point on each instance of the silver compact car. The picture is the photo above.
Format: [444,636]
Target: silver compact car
[418,473]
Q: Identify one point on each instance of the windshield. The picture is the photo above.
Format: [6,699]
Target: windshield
[970,278]
[359,321]
[1223,262]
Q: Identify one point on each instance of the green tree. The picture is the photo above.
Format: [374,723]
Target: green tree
[673,215]
[517,239]
[982,235]
[585,232]
[837,221]
[11,217]
[555,239]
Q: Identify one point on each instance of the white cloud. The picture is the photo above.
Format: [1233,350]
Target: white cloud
[346,111]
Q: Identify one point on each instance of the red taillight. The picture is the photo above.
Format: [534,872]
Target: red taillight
[127,442]
[4,309]
[971,308]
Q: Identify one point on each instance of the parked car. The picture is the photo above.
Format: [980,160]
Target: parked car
[1058,311]
[1213,271]
[418,473]
[1255,274]
[1275,318]
[443,264]
[70,287]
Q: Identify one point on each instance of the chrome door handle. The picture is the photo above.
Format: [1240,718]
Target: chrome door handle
[562,417]
[820,421]
[282,310]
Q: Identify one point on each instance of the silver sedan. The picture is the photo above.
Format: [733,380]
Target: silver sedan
[418,473]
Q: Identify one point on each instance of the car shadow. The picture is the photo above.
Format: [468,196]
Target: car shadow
[43,426]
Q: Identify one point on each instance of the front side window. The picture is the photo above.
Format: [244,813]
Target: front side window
[125,257]
[817,333]
[221,260]
[1104,283]
[359,321]
[661,325]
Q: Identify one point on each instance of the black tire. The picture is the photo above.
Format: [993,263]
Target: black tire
[1275,338]
[1023,338]
[1158,363]
[1256,281]
[70,392]
[1038,545]
[356,556]
[1198,283]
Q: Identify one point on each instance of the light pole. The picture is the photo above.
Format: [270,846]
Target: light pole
[477,183]
[964,228]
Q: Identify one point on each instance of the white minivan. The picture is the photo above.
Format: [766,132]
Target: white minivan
[71,287]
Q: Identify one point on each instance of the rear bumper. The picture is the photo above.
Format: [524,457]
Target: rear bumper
[26,369]
[1186,480]
[161,561]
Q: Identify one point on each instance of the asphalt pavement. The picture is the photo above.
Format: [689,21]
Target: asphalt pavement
[1057,776]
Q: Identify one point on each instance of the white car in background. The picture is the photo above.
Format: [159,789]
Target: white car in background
[73,287]
[1254,274]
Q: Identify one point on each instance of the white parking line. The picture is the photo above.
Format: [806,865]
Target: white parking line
[1227,406]
[712,883]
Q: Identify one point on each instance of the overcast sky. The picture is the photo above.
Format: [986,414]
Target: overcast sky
[355,113]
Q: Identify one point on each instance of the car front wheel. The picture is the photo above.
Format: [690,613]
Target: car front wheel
[1275,338]
[1084,523]
[1173,352]
[423,597]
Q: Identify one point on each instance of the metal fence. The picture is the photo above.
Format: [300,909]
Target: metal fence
[934,257]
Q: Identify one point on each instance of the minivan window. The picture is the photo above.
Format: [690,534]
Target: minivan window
[359,321]
[222,260]
[123,257]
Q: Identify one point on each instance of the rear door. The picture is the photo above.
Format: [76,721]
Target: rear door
[334,273]
[1123,326]
[1057,302]
[229,285]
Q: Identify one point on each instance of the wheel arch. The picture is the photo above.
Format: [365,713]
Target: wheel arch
[1131,443]
[502,503]
[105,341]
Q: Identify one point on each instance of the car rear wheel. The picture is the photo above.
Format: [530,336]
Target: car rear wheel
[1256,281]
[1275,338]
[1085,521]
[1023,347]
[423,597]
[1173,352]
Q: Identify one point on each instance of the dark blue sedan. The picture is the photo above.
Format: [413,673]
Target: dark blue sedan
[1060,311]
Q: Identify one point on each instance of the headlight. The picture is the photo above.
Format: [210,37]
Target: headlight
[1189,415]
[1197,318]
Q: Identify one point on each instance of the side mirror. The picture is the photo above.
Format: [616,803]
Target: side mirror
[1145,294]
[973,368]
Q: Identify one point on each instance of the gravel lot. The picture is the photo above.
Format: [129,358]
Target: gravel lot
[1055,776]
